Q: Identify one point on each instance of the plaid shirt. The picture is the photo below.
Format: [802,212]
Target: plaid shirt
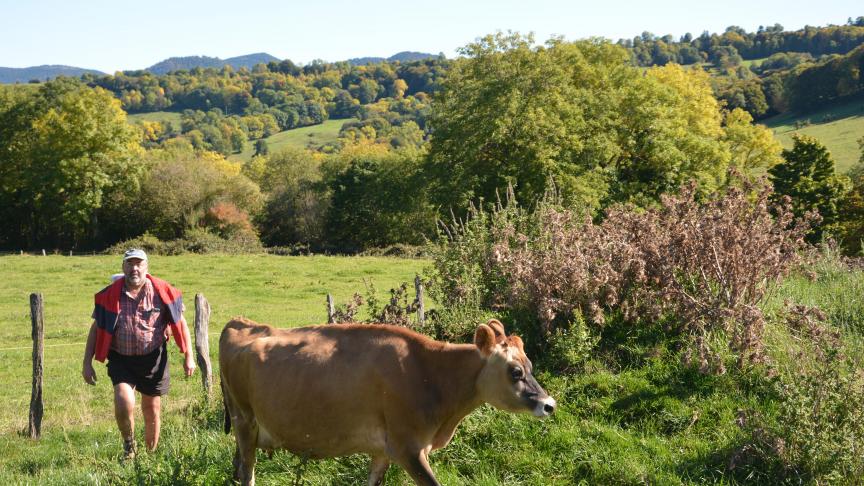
[141,324]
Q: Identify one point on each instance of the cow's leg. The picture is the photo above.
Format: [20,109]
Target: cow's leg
[417,466]
[236,462]
[247,441]
[377,470]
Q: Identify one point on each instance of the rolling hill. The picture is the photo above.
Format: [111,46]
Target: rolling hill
[404,56]
[42,73]
[838,127]
[191,62]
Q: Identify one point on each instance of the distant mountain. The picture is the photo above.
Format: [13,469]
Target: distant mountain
[42,73]
[191,62]
[404,56]
[250,60]
[408,56]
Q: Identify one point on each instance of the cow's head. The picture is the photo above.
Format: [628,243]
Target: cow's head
[506,381]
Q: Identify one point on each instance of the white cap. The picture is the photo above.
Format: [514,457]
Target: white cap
[135,253]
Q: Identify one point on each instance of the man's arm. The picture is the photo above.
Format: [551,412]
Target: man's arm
[87,370]
[189,361]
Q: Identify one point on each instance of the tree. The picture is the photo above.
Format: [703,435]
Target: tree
[377,199]
[807,177]
[753,147]
[182,186]
[297,200]
[852,224]
[261,147]
[66,148]
[579,113]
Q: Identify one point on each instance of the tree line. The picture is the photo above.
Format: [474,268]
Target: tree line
[735,44]
[575,117]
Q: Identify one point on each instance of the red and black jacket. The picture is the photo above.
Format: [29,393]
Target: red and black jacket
[108,309]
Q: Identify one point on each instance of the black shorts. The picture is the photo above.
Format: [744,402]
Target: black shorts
[147,373]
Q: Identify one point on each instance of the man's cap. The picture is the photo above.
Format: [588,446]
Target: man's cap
[135,253]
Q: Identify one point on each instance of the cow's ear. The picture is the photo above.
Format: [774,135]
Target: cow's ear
[517,342]
[484,339]
[498,329]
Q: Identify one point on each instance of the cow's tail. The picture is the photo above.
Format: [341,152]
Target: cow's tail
[227,426]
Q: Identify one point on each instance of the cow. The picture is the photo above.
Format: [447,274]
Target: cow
[396,395]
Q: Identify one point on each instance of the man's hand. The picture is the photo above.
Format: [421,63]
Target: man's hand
[89,373]
[189,364]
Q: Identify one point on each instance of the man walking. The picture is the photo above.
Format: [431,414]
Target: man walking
[132,320]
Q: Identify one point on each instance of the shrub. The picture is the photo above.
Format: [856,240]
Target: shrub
[196,241]
[704,267]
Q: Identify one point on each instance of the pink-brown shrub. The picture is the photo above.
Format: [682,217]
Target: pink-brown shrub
[704,266]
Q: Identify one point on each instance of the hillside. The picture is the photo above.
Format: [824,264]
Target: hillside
[191,62]
[42,73]
[313,136]
[404,56]
[158,116]
[838,127]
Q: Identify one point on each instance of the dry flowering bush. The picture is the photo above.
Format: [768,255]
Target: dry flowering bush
[348,313]
[397,310]
[706,264]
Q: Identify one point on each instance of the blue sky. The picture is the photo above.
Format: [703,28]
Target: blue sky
[116,35]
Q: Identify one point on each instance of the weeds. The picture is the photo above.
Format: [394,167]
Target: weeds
[819,392]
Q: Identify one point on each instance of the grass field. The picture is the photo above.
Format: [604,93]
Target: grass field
[839,128]
[633,416]
[160,116]
[304,137]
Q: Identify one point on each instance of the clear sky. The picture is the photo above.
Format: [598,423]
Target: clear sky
[117,35]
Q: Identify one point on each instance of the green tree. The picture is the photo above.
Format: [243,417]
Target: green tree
[852,224]
[579,113]
[297,200]
[377,199]
[807,177]
[753,147]
[66,147]
[261,147]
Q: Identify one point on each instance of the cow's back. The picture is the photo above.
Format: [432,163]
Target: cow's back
[324,390]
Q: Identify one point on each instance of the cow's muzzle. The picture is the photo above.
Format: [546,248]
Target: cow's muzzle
[545,407]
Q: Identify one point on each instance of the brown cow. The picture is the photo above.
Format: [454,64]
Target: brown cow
[334,390]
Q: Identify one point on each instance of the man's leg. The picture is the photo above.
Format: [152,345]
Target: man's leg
[124,408]
[151,407]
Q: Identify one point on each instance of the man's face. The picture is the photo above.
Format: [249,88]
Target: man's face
[135,271]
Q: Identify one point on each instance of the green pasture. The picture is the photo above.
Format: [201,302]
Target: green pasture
[632,416]
[304,137]
[283,291]
[838,128]
[157,116]
[748,63]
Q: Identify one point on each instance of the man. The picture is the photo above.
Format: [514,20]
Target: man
[132,320]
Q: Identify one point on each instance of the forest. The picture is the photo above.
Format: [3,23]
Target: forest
[602,122]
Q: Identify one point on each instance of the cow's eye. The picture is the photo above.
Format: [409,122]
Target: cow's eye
[517,373]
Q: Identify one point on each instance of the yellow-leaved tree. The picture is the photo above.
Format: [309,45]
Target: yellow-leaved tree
[67,148]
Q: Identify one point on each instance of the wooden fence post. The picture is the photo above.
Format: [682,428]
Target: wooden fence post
[34,427]
[202,342]
[331,310]
[421,310]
